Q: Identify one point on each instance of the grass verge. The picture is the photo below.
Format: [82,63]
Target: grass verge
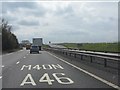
[101,47]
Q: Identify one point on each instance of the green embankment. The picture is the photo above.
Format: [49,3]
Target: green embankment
[103,47]
[45,46]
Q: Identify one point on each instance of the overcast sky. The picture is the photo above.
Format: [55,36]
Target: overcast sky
[63,21]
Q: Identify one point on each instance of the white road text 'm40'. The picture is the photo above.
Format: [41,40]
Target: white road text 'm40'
[39,67]
[46,79]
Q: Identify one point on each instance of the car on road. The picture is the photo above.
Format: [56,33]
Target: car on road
[28,46]
[34,49]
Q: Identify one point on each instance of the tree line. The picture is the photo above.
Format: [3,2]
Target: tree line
[9,40]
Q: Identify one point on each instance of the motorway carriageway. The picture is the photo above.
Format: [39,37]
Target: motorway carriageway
[46,70]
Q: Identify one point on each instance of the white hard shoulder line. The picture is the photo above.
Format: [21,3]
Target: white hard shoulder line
[90,74]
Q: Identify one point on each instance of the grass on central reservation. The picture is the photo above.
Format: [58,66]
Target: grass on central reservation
[104,47]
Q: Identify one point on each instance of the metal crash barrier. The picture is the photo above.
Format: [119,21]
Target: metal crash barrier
[106,60]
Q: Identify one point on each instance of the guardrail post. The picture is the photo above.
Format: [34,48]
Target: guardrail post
[66,53]
[105,62]
[75,55]
[91,59]
[81,57]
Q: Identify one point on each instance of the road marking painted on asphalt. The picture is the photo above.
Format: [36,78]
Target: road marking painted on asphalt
[0,77]
[86,72]
[24,57]
[18,62]
[26,82]
[3,66]
[46,79]
[44,66]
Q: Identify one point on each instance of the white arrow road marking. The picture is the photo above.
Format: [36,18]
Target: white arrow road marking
[88,73]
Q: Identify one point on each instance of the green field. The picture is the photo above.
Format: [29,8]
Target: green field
[102,47]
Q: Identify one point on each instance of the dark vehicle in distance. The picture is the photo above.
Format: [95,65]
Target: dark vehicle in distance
[34,48]
[28,46]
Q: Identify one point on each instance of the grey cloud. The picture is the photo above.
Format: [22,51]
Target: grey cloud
[58,0]
[46,24]
[71,32]
[94,24]
[28,23]
[0,6]
[30,8]
[105,25]
[72,27]
[37,12]
[82,37]
[68,11]
[10,19]
[12,6]
[15,27]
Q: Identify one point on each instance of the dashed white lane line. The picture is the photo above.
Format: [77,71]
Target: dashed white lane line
[24,57]
[2,66]
[0,77]
[18,62]
[86,72]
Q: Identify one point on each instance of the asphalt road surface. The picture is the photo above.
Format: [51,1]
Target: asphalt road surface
[45,70]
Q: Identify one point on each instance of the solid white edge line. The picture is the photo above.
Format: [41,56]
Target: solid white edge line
[90,74]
